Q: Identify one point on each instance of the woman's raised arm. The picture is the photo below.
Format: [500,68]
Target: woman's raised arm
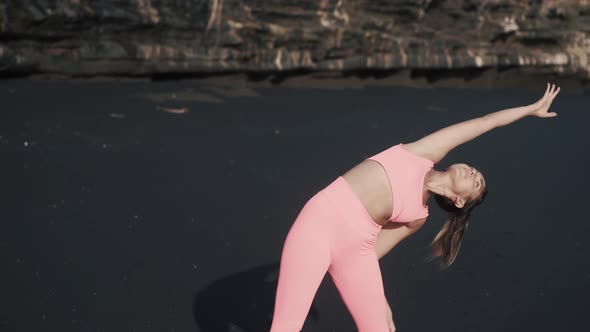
[438,144]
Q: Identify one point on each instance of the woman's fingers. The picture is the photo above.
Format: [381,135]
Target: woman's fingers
[391,328]
[551,93]
[546,95]
[549,115]
[552,90]
[541,107]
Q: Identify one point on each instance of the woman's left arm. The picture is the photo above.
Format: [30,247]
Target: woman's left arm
[438,144]
[393,233]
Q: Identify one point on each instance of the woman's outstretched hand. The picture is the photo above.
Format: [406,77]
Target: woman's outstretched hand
[541,107]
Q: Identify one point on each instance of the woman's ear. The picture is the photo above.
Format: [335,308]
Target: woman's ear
[459,202]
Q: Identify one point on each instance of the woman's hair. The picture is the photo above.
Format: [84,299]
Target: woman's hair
[447,242]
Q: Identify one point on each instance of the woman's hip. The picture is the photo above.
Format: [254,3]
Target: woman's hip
[336,212]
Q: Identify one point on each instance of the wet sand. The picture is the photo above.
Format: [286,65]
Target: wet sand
[136,206]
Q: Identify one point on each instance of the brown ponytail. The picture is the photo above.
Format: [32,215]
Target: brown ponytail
[446,244]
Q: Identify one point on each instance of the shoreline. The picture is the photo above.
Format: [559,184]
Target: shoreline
[480,79]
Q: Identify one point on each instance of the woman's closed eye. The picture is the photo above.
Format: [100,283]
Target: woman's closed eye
[477,183]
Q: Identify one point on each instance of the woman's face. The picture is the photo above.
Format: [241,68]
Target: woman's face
[468,183]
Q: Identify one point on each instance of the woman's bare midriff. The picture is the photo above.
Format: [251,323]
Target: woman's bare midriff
[370,183]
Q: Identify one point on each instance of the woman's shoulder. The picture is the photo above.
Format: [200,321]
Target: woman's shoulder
[417,150]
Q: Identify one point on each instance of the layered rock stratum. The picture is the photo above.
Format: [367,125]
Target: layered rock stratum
[195,37]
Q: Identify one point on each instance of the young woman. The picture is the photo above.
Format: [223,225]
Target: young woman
[353,222]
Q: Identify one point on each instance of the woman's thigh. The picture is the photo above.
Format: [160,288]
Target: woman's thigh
[304,261]
[359,282]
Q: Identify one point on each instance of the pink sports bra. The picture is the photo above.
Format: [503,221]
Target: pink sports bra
[406,173]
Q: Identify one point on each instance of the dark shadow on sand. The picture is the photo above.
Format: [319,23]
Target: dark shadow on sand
[241,302]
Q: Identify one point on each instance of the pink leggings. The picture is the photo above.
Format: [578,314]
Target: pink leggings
[333,232]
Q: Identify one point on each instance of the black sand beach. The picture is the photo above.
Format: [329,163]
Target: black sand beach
[137,206]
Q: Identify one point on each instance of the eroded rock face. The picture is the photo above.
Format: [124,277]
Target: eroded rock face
[149,37]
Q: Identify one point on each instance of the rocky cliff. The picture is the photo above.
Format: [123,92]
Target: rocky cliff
[155,37]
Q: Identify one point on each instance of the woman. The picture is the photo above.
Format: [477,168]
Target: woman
[346,227]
